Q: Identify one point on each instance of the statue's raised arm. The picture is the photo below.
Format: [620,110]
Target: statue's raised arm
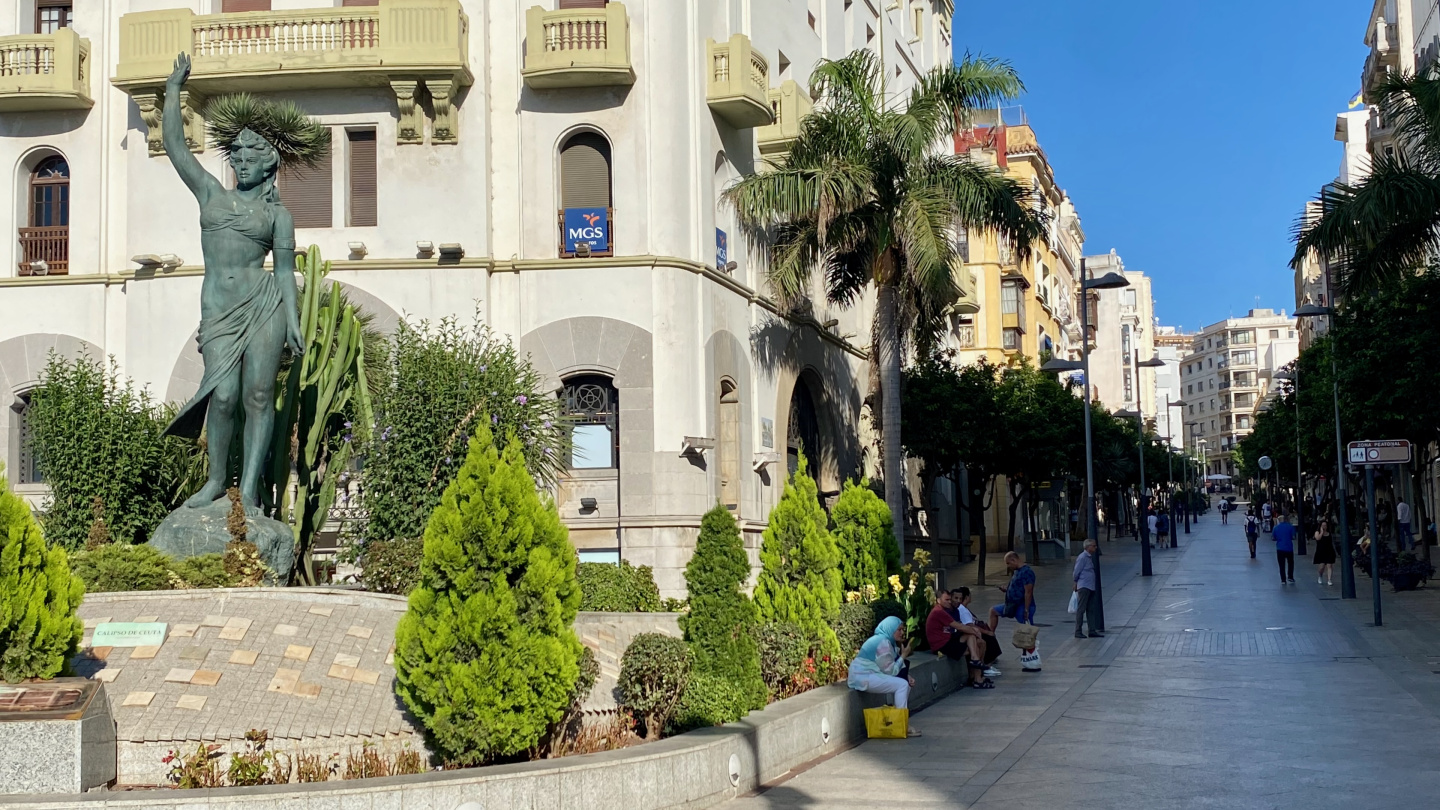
[172,130]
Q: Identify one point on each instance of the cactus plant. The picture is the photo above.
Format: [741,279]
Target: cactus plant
[326,402]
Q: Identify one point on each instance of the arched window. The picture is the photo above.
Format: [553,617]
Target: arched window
[593,406]
[803,434]
[585,172]
[45,243]
[729,445]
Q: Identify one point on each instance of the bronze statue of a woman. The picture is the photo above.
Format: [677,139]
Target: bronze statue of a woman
[247,314]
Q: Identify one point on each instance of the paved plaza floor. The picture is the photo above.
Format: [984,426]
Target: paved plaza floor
[1216,686]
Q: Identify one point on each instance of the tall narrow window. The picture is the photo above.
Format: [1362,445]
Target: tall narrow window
[564,4]
[1009,298]
[802,435]
[363,188]
[29,467]
[729,445]
[306,193]
[52,15]
[585,172]
[231,6]
[593,406]
[45,244]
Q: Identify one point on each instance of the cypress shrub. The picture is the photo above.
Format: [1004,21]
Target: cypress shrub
[800,565]
[722,619]
[485,657]
[39,630]
[865,534]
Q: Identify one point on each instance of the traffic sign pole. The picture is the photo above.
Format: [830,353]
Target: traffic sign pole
[1374,540]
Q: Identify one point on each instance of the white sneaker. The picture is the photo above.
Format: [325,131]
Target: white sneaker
[1319,580]
[992,672]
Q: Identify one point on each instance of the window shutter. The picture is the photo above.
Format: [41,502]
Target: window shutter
[564,4]
[231,6]
[363,186]
[306,193]
[585,172]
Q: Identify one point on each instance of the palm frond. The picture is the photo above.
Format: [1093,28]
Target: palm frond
[973,83]
[1411,104]
[985,198]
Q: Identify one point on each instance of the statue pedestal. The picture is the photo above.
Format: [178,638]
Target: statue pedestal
[188,532]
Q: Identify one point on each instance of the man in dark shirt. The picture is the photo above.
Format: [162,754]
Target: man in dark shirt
[1284,537]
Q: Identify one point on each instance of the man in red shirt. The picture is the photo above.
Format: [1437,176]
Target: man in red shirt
[956,641]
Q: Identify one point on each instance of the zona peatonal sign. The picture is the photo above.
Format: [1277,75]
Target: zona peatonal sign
[587,226]
[1394,451]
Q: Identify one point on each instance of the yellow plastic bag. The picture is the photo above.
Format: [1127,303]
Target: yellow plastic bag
[887,723]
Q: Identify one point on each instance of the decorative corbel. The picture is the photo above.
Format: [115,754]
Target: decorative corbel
[442,90]
[151,102]
[411,126]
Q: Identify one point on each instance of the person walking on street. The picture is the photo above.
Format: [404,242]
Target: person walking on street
[1224,512]
[1019,594]
[1284,537]
[1088,604]
[1402,516]
[1267,516]
[1152,526]
[1252,530]
[1325,555]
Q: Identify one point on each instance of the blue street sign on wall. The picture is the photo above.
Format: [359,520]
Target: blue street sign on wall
[587,226]
[722,249]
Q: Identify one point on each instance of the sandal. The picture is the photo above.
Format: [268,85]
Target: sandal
[985,684]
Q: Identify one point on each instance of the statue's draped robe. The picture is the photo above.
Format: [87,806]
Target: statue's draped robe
[224,336]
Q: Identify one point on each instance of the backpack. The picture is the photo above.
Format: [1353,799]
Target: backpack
[1252,526]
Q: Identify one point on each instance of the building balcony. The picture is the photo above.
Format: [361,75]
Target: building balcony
[45,72]
[789,104]
[968,300]
[577,47]
[738,83]
[45,251]
[414,47]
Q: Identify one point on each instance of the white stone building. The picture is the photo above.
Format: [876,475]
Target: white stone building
[1227,375]
[1122,336]
[463,131]
[1170,346]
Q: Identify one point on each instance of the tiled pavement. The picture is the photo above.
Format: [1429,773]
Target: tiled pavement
[1215,687]
[312,667]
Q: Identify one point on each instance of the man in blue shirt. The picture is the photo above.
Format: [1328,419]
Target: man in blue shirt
[1284,537]
[1019,594]
[1088,605]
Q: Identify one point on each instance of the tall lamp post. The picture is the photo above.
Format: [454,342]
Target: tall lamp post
[1179,403]
[1109,281]
[1145,569]
[1204,472]
[1347,571]
[1294,378]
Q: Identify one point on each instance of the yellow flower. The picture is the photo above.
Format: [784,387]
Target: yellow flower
[895,584]
[851,597]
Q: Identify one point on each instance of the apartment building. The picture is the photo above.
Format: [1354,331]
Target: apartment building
[1171,346]
[1227,374]
[1122,325]
[1403,37]
[466,135]
[1013,308]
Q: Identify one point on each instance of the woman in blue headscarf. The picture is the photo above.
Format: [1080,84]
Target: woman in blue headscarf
[880,665]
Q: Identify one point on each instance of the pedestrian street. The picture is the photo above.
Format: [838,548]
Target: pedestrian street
[1215,686]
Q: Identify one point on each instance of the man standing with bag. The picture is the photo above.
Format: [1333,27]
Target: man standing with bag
[1084,600]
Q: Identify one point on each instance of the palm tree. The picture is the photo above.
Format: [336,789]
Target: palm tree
[869,193]
[1388,224]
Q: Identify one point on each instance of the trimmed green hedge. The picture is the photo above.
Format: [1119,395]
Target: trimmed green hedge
[622,588]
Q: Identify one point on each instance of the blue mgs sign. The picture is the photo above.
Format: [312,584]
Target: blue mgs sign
[587,226]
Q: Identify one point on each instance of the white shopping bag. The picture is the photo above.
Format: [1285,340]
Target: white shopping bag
[1074,602]
[1030,660]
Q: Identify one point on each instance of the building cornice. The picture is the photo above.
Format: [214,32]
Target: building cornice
[490,266]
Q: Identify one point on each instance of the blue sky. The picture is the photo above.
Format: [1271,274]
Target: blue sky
[1189,135]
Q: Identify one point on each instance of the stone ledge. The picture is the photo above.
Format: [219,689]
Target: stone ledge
[689,770]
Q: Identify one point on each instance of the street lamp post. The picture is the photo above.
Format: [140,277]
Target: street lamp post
[1109,281]
[1347,570]
[1294,378]
[1145,568]
[1179,403]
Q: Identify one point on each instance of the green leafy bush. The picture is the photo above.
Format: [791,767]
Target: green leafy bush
[653,674]
[855,624]
[391,566]
[202,571]
[97,437]
[485,657]
[437,386]
[800,565]
[39,630]
[710,700]
[865,535]
[882,609]
[622,588]
[115,567]
[721,623]
[784,646]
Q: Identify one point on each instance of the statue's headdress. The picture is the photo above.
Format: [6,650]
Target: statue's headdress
[295,136]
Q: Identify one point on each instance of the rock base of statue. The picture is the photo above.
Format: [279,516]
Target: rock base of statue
[191,532]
